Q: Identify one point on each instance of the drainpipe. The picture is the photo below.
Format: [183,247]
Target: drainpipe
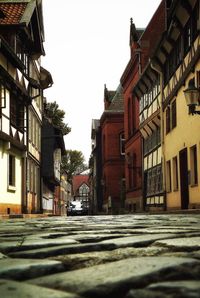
[159,71]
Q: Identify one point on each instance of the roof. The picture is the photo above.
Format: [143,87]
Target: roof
[117,102]
[108,94]
[78,180]
[135,33]
[23,12]
[12,13]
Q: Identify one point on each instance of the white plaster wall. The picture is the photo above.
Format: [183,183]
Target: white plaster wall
[6,196]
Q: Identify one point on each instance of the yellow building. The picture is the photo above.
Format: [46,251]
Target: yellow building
[178,61]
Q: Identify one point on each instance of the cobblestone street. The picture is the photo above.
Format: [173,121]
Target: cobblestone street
[101,256]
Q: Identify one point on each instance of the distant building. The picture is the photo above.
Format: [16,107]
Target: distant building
[95,163]
[81,190]
[113,151]
[53,148]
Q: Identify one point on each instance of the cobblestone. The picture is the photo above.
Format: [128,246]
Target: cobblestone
[101,256]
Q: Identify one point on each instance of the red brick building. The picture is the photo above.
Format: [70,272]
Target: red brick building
[133,145]
[142,46]
[112,140]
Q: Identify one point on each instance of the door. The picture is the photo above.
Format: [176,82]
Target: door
[145,190]
[184,178]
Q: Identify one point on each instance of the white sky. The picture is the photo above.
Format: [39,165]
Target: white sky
[87,46]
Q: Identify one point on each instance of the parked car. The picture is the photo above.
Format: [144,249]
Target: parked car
[75,208]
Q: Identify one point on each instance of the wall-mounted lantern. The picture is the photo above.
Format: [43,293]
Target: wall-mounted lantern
[192,97]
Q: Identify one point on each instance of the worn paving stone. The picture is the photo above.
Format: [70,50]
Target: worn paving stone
[21,269]
[186,243]
[2,256]
[111,255]
[13,289]
[11,246]
[172,289]
[135,241]
[88,259]
[116,278]
[97,237]
[63,249]
[141,240]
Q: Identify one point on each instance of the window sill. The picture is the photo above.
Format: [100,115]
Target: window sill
[194,185]
[11,188]
[175,190]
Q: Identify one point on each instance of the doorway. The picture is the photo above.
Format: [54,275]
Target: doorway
[184,183]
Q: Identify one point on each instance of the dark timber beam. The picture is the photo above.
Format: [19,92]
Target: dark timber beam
[187,6]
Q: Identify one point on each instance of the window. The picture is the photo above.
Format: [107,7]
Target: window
[84,190]
[171,118]
[28,175]
[198,79]
[152,141]
[193,165]
[159,179]
[2,98]
[22,55]
[175,173]
[16,112]
[168,176]
[122,144]
[11,174]
[173,114]
[129,117]
[167,120]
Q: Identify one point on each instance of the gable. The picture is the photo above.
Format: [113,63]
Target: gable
[28,14]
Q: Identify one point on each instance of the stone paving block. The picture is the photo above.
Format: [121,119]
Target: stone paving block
[46,235]
[13,289]
[97,237]
[172,289]
[2,256]
[23,244]
[116,278]
[138,240]
[62,249]
[21,269]
[186,243]
[87,259]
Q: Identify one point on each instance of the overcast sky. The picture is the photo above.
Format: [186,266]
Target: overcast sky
[87,46]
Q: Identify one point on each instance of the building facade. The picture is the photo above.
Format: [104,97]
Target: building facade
[53,148]
[113,151]
[133,143]
[20,105]
[177,60]
[147,90]
[95,164]
[81,191]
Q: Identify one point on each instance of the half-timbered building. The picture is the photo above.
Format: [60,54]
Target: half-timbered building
[177,60]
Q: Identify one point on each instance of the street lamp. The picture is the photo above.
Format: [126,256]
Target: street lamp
[192,97]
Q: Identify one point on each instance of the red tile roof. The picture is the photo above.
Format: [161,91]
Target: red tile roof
[13,13]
